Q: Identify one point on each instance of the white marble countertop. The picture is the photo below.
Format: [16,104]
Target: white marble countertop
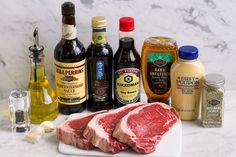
[197,141]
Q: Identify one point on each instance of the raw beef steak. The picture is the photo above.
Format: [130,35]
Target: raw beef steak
[143,128]
[71,132]
[99,130]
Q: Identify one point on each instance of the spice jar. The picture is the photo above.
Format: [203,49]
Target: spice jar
[213,100]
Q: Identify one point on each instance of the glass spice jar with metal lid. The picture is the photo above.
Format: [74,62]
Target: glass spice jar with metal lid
[213,100]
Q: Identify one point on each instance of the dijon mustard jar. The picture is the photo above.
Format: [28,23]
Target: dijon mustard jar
[187,75]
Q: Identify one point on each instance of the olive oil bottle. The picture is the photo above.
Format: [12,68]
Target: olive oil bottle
[70,65]
[43,99]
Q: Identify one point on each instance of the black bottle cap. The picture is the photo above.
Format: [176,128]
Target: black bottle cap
[68,8]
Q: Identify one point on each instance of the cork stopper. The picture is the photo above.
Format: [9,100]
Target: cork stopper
[99,22]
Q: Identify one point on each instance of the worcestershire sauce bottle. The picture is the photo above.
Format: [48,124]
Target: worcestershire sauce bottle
[126,66]
[99,67]
[70,65]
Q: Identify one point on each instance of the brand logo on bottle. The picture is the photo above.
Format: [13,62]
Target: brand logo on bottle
[70,82]
[69,78]
[100,70]
[99,36]
[160,63]
[127,82]
[214,102]
[158,72]
[128,79]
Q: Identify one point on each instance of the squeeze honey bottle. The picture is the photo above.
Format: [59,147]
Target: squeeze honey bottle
[43,100]
[158,54]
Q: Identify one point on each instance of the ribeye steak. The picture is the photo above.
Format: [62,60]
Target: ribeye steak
[99,130]
[71,132]
[143,128]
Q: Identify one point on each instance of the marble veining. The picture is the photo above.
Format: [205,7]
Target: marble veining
[208,24]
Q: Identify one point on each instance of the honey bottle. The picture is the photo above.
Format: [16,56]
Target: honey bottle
[43,100]
[158,54]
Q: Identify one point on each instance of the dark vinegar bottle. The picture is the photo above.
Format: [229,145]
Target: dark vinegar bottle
[126,66]
[70,65]
[99,55]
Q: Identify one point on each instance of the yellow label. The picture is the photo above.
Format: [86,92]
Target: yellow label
[68,32]
[127,85]
[70,82]
[99,36]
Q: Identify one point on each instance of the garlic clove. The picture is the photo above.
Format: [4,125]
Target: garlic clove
[48,126]
[35,135]
[39,130]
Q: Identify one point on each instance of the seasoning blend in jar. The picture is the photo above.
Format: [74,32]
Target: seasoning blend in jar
[187,75]
[213,100]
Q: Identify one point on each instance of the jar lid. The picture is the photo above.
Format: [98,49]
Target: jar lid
[214,79]
[188,52]
[99,22]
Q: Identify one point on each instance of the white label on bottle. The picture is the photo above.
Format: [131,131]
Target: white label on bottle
[68,32]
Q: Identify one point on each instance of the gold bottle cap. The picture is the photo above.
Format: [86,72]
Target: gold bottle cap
[161,41]
[99,22]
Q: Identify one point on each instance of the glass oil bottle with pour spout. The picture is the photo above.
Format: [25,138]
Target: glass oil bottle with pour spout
[43,99]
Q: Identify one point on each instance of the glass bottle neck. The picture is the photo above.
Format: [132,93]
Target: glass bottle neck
[99,36]
[37,73]
[126,39]
[68,27]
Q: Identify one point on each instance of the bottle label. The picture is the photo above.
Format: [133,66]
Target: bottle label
[127,85]
[70,82]
[187,85]
[100,70]
[68,31]
[100,84]
[158,71]
[99,36]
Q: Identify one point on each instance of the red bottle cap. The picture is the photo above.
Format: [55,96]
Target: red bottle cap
[126,24]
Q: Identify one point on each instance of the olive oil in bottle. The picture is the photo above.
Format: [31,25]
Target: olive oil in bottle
[158,54]
[126,66]
[70,65]
[99,55]
[43,101]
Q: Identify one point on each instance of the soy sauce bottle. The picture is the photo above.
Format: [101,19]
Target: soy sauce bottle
[99,55]
[70,65]
[126,66]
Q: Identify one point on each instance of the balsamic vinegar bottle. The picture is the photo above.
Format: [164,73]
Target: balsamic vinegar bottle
[70,65]
[126,66]
[99,54]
